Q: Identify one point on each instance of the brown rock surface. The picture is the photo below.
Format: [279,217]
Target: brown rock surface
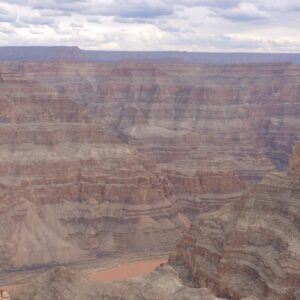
[72,187]
[189,118]
[62,284]
[250,248]
[98,159]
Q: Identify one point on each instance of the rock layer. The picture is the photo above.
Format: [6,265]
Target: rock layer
[71,188]
[98,159]
[250,248]
[189,118]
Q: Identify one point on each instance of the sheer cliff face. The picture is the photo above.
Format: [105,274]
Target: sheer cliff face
[188,118]
[71,188]
[250,248]
[105,158]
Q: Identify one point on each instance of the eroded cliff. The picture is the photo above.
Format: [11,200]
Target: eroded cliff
[250,248]
[71,188]
[99,159]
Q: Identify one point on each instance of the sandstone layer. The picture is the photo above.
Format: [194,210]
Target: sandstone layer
[250,248]
[99,159]
[72,188]
[189,118]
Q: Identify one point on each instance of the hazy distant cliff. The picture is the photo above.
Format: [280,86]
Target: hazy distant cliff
[76,54]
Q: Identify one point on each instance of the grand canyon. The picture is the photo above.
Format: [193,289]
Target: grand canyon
[190,159]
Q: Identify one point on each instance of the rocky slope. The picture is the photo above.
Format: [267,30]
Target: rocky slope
[62,284]
[250,248]
[246,250]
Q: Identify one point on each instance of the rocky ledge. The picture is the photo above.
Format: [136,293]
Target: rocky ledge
[250,248]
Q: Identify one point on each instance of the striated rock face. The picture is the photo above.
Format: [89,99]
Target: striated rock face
[98,159]
[62,284]
[71,188]
[188,118]
[250,248]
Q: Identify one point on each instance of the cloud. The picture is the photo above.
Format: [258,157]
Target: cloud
[244,12]
[286,6]
[139,9]
[37,20]
[54,13]
[117,8]
[207,3]
[6,16]
[60,6]
[194,25]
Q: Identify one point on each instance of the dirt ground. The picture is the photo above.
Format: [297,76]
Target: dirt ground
[103,269]
[127,270]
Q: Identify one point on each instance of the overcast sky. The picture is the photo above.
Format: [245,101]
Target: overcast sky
[191,25]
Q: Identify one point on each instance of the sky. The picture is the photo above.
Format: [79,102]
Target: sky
[181,25]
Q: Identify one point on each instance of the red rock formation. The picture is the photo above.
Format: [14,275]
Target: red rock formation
[120,157]
[190,118]
[70,188]
[250,248]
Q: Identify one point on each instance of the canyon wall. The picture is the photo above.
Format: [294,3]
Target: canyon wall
[64,53]
[188,118]
[71,188]
[250,248]
[101,159]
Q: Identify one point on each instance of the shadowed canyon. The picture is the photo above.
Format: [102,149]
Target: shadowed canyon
[141,158]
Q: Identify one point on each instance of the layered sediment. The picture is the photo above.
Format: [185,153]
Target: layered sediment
[72,188]
[250,248]
[99,159]
[190,118]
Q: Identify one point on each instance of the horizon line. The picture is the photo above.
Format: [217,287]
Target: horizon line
[149,51]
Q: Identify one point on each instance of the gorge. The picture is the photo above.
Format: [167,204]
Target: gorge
[134,157]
